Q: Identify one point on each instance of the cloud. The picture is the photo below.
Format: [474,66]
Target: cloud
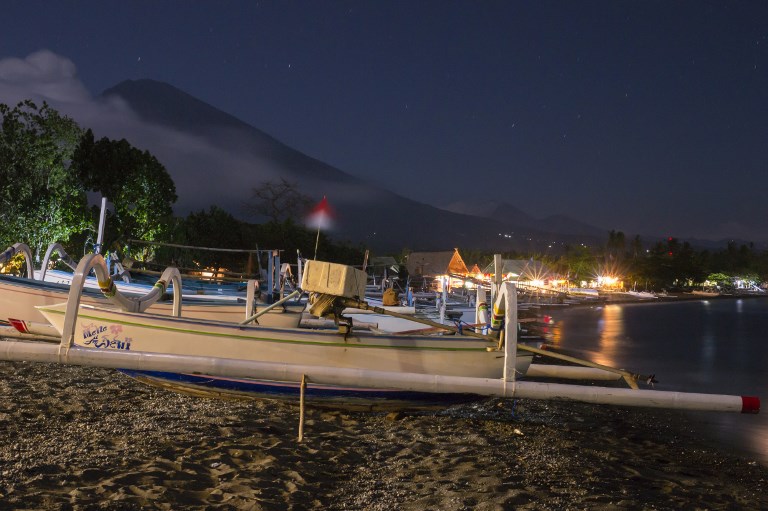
[204,173]
[41,75]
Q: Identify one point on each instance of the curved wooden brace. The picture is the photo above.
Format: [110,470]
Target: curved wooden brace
[97,263]
[56,247]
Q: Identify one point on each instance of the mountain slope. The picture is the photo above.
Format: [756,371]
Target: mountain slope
[165,105]
[215,158]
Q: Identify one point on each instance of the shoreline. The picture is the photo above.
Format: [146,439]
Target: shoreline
[692,297]
[608,299]
[88,438]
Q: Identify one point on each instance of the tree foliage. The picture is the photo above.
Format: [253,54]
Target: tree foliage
[41,199]
[134,181]
[578,263]
[616,247]
[216,228]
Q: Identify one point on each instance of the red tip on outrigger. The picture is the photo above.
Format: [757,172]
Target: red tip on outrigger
[750,404]
[19,325]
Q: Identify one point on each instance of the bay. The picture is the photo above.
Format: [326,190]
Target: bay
[716,346]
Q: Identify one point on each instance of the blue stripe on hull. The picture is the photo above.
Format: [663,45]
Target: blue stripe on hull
[315,395]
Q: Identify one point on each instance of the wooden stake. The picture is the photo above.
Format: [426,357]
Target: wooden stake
[301,406]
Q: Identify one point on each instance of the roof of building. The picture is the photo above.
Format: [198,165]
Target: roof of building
[430,264]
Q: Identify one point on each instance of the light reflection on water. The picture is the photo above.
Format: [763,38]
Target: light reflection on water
[714,346]
[611,328]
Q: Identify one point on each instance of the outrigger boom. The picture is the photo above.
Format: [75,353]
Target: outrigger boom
[142,361]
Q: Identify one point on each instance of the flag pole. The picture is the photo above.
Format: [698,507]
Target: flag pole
[317,242]
[320,215]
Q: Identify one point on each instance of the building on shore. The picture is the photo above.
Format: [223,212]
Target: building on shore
[428,270]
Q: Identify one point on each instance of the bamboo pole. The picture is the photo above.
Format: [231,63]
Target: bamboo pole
[302,391]
[270,307]
[144,361]
[317,243]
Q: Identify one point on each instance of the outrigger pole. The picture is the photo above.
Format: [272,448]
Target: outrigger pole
[144,361]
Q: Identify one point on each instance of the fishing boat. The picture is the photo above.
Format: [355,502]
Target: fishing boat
[102,329]
[19,297]
[108,329]
[706,292]
[643,295]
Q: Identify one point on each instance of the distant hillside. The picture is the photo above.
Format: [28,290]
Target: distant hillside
[215,158]
[508,213]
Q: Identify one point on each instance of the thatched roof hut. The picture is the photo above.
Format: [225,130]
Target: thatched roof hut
[431,264]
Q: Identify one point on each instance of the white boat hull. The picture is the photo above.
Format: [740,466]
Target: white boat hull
[104,329]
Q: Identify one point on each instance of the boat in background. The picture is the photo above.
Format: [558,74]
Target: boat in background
[19,297]
[707,292]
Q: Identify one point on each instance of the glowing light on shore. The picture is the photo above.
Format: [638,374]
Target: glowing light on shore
[607,280]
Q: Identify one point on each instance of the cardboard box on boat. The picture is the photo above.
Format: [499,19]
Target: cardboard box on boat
[334,279]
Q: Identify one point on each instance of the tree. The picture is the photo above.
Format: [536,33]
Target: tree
[616,247]
[578,263]
[134,181]
[214,228]
[41,199]
[278,201]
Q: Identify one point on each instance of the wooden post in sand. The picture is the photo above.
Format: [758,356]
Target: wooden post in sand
[301,406]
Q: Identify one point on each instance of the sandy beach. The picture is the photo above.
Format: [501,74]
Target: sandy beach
[85,438]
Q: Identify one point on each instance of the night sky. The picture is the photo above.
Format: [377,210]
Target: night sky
[649,117]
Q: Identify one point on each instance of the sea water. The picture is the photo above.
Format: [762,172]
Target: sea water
[717,346]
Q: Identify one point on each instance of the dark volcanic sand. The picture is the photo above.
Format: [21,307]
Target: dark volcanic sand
[85,438]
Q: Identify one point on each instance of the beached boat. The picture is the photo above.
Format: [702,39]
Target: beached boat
[105,328]
[707,293]
[99,328]
[19,297]
[643,295]
[108,329]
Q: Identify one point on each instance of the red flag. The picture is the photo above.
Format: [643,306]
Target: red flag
[321,216]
